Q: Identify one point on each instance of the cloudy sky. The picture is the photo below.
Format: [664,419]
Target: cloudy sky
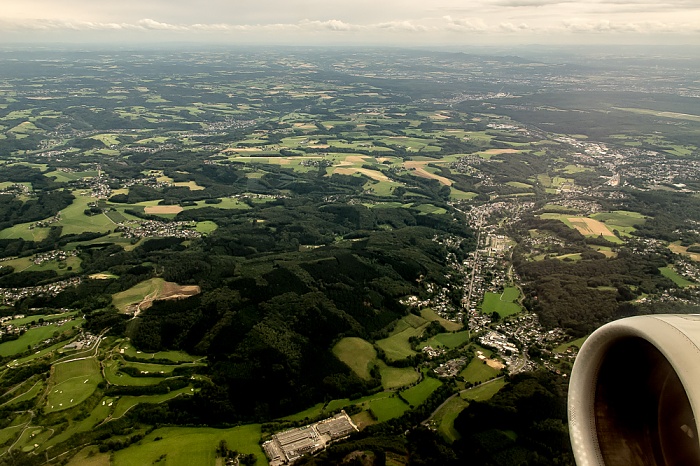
[394,22]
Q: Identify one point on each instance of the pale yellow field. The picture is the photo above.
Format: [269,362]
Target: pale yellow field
[589,226]
[422,172]
[375,175]
[163,209]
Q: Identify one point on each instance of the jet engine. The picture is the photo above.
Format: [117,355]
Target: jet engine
[634,392]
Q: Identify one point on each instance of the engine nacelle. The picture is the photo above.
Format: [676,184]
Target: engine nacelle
[634,389]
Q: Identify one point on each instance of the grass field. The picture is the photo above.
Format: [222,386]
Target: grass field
[36,335]
[395,377]
[445,418]
[669,273]
[483,392]
[125,403]
[504,304]
[174,356]
[449,340]
[477,371]
[185,446]
[388,408]
[397,346]
[357,354]
[74,221]
[72,383]
[563,347]
[90,456]
[429,314]
[115,377]
[137,293]
[418,394]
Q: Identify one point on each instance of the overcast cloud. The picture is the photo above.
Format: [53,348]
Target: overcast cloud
[358,21]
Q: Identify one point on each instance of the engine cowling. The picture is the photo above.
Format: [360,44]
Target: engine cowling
[634,389]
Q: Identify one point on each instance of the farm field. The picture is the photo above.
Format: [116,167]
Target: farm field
[449,340]
[445,418]
[357,354]
[478,371]
[483,392]
[671,274]
[395,377]
[431,315]
[397,346]
[187,446]
[417,394]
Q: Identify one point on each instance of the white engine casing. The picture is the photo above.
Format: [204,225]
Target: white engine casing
[626,404]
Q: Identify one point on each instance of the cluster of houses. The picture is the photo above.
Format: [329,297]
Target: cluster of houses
[9,296]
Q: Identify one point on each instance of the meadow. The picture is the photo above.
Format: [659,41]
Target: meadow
[357,354]
[504,303]
[417,394]
[186,446]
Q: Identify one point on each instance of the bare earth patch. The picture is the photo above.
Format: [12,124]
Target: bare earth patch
[163,209]
[422,172]
[494,364]
[100,276]
[589,226]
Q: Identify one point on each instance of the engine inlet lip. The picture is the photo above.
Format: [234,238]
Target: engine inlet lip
[676,337]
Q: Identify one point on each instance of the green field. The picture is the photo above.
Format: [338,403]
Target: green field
[397,346]
[388,408]
[174,356]
[125,403]
[72,383]
[74,221]
[35,336]
[478,371]
[357,354]
[416,395]
[445,418]
[429,314]
[186,446]
[395,377]
[137,293]
[449,340]
[669,273]
[32,389]
[483,392]
[504,304]
[564,346]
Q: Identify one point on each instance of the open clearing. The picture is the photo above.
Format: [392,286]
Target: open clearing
[185,446]
[141,296]
[478,371]
[397,346]
[35,336]
[678,249]
[419,169]
[429,314]
[483,392]
[163,209]
[445,418]
[671,274]
[504,304]
[590,227]
[418,394]
[358,354]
